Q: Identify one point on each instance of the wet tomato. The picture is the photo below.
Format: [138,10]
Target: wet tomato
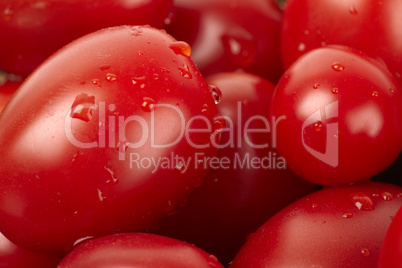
[31,30]
[138,250]
[246,173]
[101,138]
[371,26]
[338,115]
[229,35]
[334,227]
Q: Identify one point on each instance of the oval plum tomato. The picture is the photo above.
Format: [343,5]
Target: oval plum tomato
[32,30]
[391,251]
[371,26]
[248,181]
[101,138]
[338,116]
[334,227]
[227,35]
[6,91]
[138,250]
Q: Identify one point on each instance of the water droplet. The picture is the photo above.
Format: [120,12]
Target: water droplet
[185,72]
[338,67]
[219,123]
[180,166]
[362,201]
[140,53]
[181,48]
[100,195]
[301,47]
[316,86]
[136,31]
[169,206]
[387,196]
[8,13]
[95,81]
[111,77]
[314,205]
[375,94]
[104,67]
[82,107]
[352,10]
[347,215]
[216,93]
[399,195]
[392,90]
[164,70]
[156,76]
[139,81]
[113,179]
[205,109]
[241,50]
[365,252]
[318,126]
[335,90]
[148,104]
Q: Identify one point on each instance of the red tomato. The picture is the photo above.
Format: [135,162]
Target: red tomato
[32,30]
[6,91]
[335,227]
[12,255]
[227,35]
[338,116]
[248,181]
[372,26]
[101,138]
[391,251]
[138,250]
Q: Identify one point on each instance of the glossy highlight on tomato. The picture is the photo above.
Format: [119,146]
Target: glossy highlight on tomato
[335,227]
[339,116]
[101,139]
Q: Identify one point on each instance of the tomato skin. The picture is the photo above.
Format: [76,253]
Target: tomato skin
[326,229]
[371,26]
[235,200]
[390,255]
[72,151]
[49,25]
[12,255]
[137,250]
[340,116]
[229,35]
[6,91]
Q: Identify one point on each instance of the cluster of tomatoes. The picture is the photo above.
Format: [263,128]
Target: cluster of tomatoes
[202,133]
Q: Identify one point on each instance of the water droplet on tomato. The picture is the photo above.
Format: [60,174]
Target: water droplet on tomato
[338,67]
[347,215]
[392,90]
[148,104]
[181,48]
[216,93]
[314,205]
[335,90]
[375,94]
[169,206]
[316,86]
[241,50]
[136,31]
[362,201]
[365,252]
[352,10]
[387,196]
[318,126]
[100,195]
[104,67]
[82,107]
[139,81]
[95,81]
[205,109]
[219,123]
[185,72]
[111,77]
[301,47]
[113,179]
[8,13]
[180,166]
